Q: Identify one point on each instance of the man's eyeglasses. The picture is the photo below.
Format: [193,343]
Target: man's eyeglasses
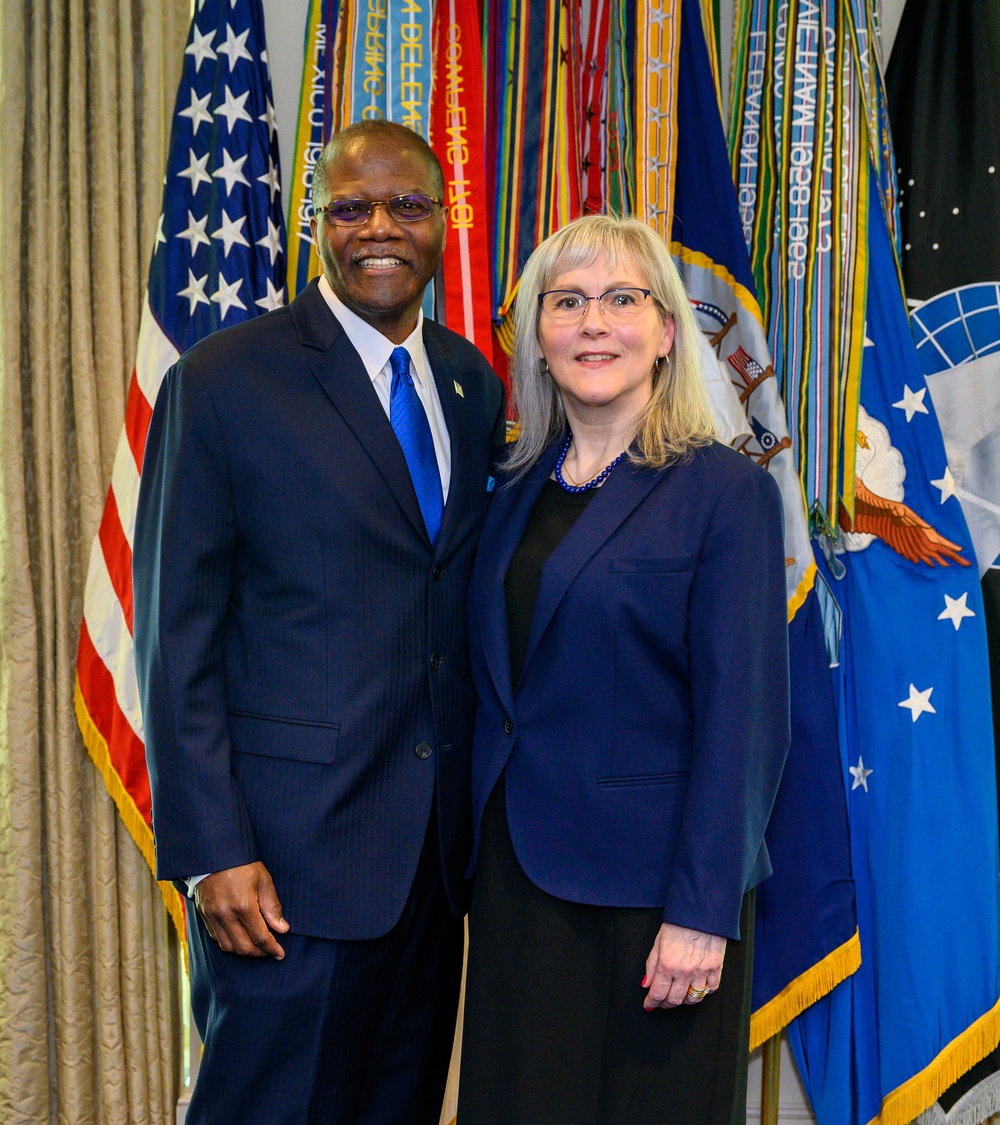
[566,305]
[403,208]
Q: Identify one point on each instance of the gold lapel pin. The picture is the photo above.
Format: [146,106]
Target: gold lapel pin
[458,388]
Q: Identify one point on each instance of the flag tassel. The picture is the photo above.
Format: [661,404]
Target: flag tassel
[804,990]
[134,821]
[908,1101]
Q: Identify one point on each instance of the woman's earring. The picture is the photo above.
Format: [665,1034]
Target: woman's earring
[543,365]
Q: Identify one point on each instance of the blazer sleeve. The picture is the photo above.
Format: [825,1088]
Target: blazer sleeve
[183,552]
[738,651]
[498,438]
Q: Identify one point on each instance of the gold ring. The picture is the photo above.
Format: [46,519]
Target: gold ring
[698,993]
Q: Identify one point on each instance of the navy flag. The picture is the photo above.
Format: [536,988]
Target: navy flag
[806,937]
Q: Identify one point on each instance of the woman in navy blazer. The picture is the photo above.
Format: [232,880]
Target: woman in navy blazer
[628,636]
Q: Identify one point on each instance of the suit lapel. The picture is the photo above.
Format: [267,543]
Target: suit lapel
[342,375]
[446,375]
[615,501]
[502,535]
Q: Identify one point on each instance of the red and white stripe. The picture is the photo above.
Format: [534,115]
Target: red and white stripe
[105,658]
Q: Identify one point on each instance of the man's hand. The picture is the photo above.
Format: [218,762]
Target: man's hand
[237,906]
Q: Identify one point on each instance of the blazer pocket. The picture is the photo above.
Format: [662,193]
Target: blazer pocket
[270,736]
[662,564]
[670,778]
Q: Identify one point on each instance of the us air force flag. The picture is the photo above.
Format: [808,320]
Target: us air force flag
[917,745]
[806,936]
[947,141]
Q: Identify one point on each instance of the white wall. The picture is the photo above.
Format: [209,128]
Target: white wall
[285,27]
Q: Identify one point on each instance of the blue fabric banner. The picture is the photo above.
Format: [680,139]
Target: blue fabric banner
[913,699]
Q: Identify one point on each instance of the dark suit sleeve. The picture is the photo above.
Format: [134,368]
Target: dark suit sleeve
[738,647]
[499,436]
[183,554]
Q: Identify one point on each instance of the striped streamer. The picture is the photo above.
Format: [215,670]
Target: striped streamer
[595,17]
[312,130]
[535,65]
[620,195]
[458,136]
[657,39]
[381,64]
[629,114]
[805,122]
[710,23]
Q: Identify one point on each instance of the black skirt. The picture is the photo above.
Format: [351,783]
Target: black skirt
[555,1032]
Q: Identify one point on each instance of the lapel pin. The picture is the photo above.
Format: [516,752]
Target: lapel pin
[490,483]
[458,388]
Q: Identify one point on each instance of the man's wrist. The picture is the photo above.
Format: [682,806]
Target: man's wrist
[193,881]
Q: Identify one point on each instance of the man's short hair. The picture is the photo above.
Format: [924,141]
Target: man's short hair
[374,128]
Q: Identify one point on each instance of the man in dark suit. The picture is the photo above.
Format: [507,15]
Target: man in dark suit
[312,493]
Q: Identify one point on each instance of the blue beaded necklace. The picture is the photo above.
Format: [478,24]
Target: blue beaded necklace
[601,477]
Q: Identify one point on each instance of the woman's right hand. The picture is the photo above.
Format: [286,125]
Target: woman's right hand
[681,959]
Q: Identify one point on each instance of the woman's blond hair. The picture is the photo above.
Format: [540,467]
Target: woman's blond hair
[678,416]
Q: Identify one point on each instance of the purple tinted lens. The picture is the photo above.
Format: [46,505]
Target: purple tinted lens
[407,208]
[348,210]
[403,208]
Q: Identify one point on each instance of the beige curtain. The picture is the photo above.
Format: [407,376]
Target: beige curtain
[89,988]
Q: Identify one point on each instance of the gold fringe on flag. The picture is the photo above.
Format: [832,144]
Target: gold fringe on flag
[806,989]
[920,1092]
[134,821]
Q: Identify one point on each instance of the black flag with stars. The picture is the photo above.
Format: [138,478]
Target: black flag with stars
[943,84]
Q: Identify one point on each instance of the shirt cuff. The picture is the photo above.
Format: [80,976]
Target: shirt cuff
[193,882]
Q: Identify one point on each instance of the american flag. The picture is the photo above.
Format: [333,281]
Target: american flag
[219,258]
[746,366]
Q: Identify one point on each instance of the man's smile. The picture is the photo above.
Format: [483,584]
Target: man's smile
[380,262]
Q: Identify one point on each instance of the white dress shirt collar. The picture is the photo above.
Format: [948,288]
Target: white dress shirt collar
[375,350]
[369,343]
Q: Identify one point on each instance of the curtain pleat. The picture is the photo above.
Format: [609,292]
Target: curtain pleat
[89,979]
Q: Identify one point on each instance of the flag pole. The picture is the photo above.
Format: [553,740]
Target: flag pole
[770,1081]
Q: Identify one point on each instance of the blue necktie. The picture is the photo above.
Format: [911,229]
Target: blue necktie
[407,417]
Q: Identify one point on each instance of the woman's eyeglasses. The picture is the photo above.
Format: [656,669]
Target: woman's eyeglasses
[566,305]
[403,208]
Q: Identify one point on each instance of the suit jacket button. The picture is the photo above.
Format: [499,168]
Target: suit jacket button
[436,573]
[422,750]
[508,726]
[435,661]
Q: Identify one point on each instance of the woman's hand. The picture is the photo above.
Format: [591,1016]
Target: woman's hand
[681,959]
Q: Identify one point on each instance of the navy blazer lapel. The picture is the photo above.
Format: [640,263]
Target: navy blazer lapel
[502,535]
[447,377]
[343,377]
[615,501]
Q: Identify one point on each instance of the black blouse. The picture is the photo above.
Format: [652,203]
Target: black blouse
[553,515]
